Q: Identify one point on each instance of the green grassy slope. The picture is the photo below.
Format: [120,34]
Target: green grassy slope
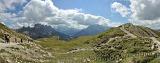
[112,46]
[60,48]
[126,49]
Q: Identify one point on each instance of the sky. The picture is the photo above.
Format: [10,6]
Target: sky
[95,7]
[79,14]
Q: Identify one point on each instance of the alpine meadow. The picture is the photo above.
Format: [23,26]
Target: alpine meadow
[79,31]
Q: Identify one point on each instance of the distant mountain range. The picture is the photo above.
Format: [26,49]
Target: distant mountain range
[43,31]
[91,30]
[67,31]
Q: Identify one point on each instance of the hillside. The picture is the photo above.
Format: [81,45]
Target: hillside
[124,44]
[128,44]
[74,51]
[18,51]
[4,29]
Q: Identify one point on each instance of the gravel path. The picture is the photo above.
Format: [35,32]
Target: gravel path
[128,33]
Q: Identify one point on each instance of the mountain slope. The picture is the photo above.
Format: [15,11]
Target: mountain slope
[18,51]
[128,44]
[72,51]
[41,31]
[140,30]
[91,30]
[116,45]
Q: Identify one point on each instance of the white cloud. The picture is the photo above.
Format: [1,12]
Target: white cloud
[145,12]
[145,9]
[44,11]
[10,4]
[115,24]
[141,12]
[118,7]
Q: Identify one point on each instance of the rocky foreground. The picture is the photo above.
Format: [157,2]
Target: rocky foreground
[19,48]
[23,53]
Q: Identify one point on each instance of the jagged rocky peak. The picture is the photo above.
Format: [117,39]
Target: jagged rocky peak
[42,26]
[41,31]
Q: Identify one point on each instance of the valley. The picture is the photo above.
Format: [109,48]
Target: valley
[115,45]
[76,50]
[127,43]
[79,31]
